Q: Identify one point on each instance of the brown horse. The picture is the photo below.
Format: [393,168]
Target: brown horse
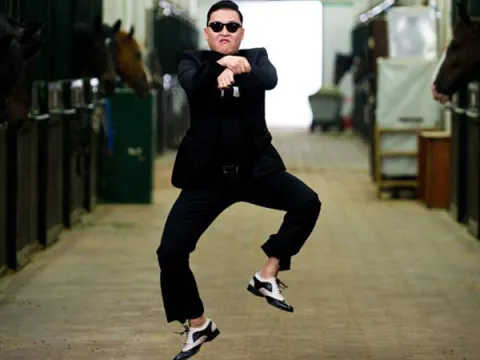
[19,45]
[462,58]
[129,63]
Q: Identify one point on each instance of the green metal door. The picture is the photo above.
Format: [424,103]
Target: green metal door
[126,176]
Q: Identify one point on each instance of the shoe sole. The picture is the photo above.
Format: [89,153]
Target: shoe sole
[254,291]
[269,300]
[197,350]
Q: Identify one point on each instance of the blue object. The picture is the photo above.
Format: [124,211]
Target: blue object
[109,130]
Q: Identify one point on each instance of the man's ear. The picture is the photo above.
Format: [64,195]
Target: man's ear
[32,30]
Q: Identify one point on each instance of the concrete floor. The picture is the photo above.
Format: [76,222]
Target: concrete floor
[386,280]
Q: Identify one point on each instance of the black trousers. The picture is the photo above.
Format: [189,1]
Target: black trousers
[196,209]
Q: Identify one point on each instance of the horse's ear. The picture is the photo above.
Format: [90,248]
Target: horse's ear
[116,27]
[14,22]
[463,12]
[32,29]
[5,42]
[132,31]
[31,50]
[97,23]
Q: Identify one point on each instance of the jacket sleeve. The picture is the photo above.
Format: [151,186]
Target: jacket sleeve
[194,74]
[262,75]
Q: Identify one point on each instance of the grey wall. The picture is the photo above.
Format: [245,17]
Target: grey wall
[338,20]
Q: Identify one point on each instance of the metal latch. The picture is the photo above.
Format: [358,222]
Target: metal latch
[135,151]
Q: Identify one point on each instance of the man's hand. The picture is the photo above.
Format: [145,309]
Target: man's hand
[237,64]
[225,79]
[441,98]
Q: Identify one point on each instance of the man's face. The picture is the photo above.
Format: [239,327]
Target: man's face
[224,32]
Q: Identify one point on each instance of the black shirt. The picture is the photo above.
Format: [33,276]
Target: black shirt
[231,138]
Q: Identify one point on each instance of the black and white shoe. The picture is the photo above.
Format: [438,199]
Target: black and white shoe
[195,338]
[271,290]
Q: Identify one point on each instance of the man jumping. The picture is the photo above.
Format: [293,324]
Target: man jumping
[226,157]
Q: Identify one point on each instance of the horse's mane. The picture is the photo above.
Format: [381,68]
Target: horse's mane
[11,62]
[82,31]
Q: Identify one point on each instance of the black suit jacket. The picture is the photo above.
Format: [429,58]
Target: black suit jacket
[197,73]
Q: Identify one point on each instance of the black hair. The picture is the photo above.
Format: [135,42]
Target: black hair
[224,4]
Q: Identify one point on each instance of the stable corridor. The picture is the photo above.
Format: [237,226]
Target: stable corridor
[386,280]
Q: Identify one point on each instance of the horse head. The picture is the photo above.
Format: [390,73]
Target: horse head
[129,63]
[462,58]
[92,54]
[19,45]
[343,63]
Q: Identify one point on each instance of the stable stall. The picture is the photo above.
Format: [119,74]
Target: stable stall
[473,159]
[22,191]
[404,108]
[50,160]
[3,199]
[458,155]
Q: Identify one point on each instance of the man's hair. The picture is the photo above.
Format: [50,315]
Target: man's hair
[224,4]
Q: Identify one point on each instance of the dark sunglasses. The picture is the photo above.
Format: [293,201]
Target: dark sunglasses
[232,27]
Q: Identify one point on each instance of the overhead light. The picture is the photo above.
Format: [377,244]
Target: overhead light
[376,10]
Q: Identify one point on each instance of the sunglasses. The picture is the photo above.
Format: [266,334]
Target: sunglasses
[232,27]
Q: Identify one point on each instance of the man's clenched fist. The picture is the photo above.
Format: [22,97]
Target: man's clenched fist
[237,64]
[225,79]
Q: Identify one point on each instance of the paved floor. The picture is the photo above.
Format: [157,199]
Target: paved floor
[386,280]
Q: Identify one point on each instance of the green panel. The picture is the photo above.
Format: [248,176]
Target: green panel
[360,36]
[86,10]
[126,176]
[454,11]
[172,36]
[61,39]
[6,8]
[39,10]
[166,40]
[474,8]
[58,17]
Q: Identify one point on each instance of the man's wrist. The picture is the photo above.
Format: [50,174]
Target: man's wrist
[221,60]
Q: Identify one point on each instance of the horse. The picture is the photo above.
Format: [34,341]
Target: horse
[462,56]
[91,54]
[343,64]
[19,45]
[128,59]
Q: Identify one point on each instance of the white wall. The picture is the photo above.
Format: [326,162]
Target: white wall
[291,31]
[201,19]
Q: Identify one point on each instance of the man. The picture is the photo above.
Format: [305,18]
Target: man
[226,157]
